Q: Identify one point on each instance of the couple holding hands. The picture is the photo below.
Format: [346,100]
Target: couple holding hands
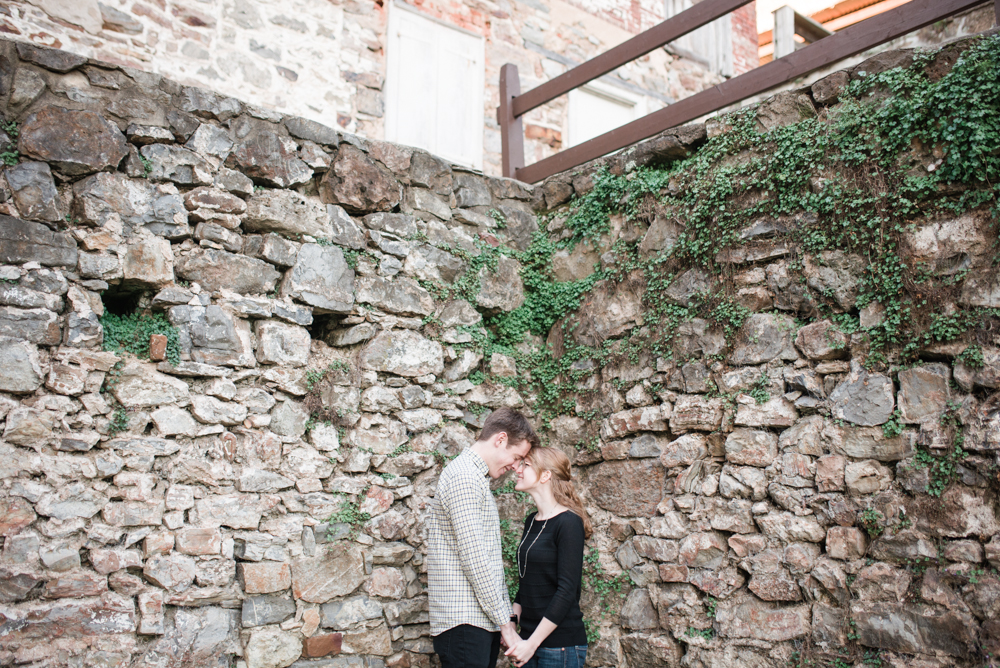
[470,612]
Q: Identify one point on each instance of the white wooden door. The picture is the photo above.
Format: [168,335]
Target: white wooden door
[434,87]
[598,108]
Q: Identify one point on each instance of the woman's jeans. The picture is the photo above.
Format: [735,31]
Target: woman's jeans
[558,657]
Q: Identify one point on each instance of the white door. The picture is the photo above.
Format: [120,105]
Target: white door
[598,108]
[434,87]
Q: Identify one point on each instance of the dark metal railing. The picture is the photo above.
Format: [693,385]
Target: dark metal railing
[848,42]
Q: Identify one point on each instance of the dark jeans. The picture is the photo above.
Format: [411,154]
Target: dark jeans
[467,646]
[558,657]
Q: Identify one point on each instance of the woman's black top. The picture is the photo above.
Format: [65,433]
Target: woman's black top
[552,570]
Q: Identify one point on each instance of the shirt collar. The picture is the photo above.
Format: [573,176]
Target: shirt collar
[478,461]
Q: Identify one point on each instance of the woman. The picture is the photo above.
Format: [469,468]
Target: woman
[550,565]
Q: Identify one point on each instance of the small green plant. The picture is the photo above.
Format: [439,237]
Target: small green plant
[706,634]
[872,521]
[498,218]
[975,574]
[893,427]
[130,333]
[10,158]
[10,127]
[759,391]
[608,590]
[972,357]
[147,166]
[710,606]
[118,421]
[349,513]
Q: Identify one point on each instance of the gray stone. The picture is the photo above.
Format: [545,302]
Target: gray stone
[278,343]
[822,341]
[214,270]
[638,613]
[924,392]
[400,295]
[22,241]
[148,262]
[141,386]
[687,286]
[172,571]
[26,89]
[428,263]
[772,622]
[105,198]
[359,184]
[785,108]
[400,224]
[20,366]
[352,335]
[207,104]
[204,636]
[404,353]
[503,289]
[210,410]
[837,274]
[289,213]
[234,182]
[270,647]
[897,628]
[346,613]
[257,480]
[764,337]
[345,231]
[864,399]
[212,337]
[321,278]
[288,418]
[338,573]
[39,326]
[177,164]
[268,609]
[210,141]
[34,190]
[75,500]
[74,142]
[311,130]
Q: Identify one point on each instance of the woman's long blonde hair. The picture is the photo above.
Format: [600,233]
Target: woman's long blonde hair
[557,463]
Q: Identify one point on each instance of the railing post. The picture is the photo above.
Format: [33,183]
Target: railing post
[784,31]
[511,131]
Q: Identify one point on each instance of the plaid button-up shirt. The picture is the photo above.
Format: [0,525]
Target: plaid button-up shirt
[465,579]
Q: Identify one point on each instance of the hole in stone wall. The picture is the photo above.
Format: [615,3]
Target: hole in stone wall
[120,302]
[323,325]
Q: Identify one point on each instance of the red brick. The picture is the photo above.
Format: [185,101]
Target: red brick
[157,347]
[324,645]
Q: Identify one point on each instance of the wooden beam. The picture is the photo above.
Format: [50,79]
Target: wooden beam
[663,33]
[511,128]
[844,44]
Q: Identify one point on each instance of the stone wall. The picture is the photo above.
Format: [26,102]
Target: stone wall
[325,61]
[331,320]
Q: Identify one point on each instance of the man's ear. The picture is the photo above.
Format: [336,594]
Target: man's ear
[500,438]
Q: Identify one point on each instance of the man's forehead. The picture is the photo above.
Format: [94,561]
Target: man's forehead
[523,448]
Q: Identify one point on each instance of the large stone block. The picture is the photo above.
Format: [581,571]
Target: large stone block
[400,295]
[607,312]
[178,165]
[321,278]
[213,337]
[74,142]
[34,191]
[141,386]
[898,628]
[270,647]
[20,366]
[288,213]
[23,241]
[278,343]
[215,270]
[632,488]
[404,353]
[749,618]
[270,159]
[924,392]
[502,289]
[111,614]
[204,636]
[864,399]
[148,263]
[751,447]
[337,573]
[359,184]
[112,198]
[764,337]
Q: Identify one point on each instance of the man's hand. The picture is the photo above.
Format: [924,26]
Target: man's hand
[508,635]
[521,652]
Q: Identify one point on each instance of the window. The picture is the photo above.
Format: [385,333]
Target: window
[598,108]
[710,44]
[434,87]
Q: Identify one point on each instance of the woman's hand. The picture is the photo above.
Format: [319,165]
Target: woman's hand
[521,652]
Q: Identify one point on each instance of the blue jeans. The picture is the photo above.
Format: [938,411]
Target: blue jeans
[558,657]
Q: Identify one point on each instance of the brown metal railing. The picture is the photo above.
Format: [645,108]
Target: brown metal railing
[843,44]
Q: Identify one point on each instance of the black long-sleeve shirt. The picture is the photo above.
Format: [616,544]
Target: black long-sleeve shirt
[550,588]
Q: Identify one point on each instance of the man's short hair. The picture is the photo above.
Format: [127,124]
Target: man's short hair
[513,423]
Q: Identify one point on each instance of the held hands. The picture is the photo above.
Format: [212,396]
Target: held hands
[508,635]
[521,652]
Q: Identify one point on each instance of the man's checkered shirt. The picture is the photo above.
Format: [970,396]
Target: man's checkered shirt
[464,565]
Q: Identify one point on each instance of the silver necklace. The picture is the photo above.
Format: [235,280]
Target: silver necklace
[521,571]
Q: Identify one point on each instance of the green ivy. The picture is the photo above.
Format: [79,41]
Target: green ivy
[130,333]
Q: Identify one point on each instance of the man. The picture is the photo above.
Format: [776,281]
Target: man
[469,607]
